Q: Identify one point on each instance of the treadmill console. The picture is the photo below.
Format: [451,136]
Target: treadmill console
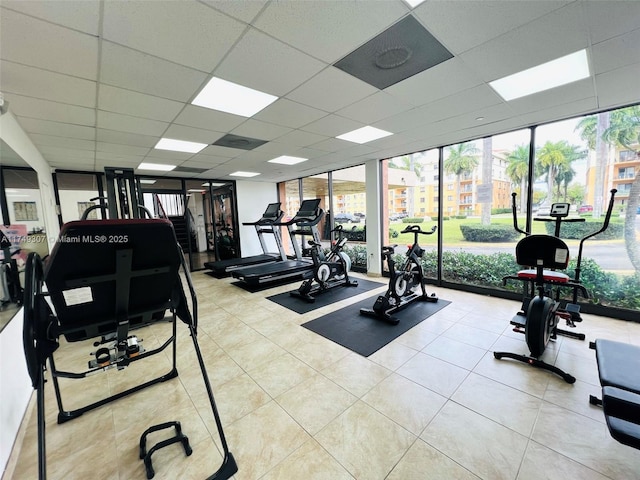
[559,210]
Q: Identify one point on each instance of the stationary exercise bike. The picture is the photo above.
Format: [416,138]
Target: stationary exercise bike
[403,282]
[542,309]
[331,270]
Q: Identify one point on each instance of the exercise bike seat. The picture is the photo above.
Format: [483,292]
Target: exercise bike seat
[550,276]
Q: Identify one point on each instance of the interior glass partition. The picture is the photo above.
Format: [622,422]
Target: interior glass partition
[76,192]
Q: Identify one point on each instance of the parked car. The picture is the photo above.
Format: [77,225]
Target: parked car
[346,218]
[585,208]
[543,211]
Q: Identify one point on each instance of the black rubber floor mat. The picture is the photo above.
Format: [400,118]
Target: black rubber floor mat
[366,335]
[326,298]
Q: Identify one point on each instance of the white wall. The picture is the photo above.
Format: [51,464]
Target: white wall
[253,198]
[15,386]
[14,136]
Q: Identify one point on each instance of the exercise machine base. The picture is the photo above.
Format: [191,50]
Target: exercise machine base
[385,314]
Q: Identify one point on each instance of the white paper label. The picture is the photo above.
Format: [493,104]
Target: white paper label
[561,255]
[76,296]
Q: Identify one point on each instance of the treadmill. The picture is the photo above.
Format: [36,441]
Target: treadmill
[271,216]
[304,223]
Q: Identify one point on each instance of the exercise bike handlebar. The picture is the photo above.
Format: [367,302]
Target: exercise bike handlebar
[514,212]
[417,229]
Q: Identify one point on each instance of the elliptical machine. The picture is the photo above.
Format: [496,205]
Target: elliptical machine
[329,271]
[541,308]
[403,281]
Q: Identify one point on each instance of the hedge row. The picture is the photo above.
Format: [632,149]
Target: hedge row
[489,233]
[582,229]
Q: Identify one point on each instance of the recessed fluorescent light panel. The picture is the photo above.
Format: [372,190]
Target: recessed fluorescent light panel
[230,97]
[414,3]
[179,145]
[561,71]
[212,184]
[147,182]
[364,135]
[287,160]
[156,166]
[244,174]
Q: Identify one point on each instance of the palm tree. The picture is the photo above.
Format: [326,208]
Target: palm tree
[556,159]
[518,171]
[624,131]
[462,159]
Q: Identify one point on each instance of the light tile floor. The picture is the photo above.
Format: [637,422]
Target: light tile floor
[433,404]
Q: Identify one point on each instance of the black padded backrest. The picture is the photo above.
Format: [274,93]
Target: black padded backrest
[100,270]
[552,251]
[308,209]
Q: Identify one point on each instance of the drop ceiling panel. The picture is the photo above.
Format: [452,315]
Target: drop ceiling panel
[328,33]
[32,125]
[33,42]
[245,11]
[83,15]
[200,158]
[262,130]
[208,119]
[120,149]
[266,64]
[289,114]
[125,138]
[483,20]
[540,41]
[445,79]
[48,110]
[556,96]
[332,126]
[34,82]
[615,88]
[132,70]
[331,90]
[607,20]
[300,138]
[617,52]
[373,108]
[63,142]
[129,124]
[113,158]
[66,152]
[332,145]
[219,151]
[119,100]
[167,157]
[196,35]
[191,134]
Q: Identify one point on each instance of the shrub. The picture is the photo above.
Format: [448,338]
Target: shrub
[460,217]
[498,211]
[356,234]
[582,229]
[488,233]
[413,220]
[393,233]
[358,256]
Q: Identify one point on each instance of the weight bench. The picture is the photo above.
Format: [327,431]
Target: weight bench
[618,369]
[103,280]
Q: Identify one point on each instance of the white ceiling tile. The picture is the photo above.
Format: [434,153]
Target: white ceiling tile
[33,42]
[540,41]
[63,162]
[129,124]
[373,108]
[118,100]
[275,149]
[300,138]
[245,10]
[118,148]
[63,142]
[166,156]
[83,15]
[34,82]
[328,33]
[59,129]
[556,96]
[132,70]
[331,145]
[617,52]
[204,161]
[331,90]
[68,152]
[610,19]
[332,126]
[266,64]
[191,134]
[124,138]
[48,110]
[114,158]
[218,151]
[193,34]
[446,78]
[260,130]
[483,20]
[288,113]
[208,119]
[615,88]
